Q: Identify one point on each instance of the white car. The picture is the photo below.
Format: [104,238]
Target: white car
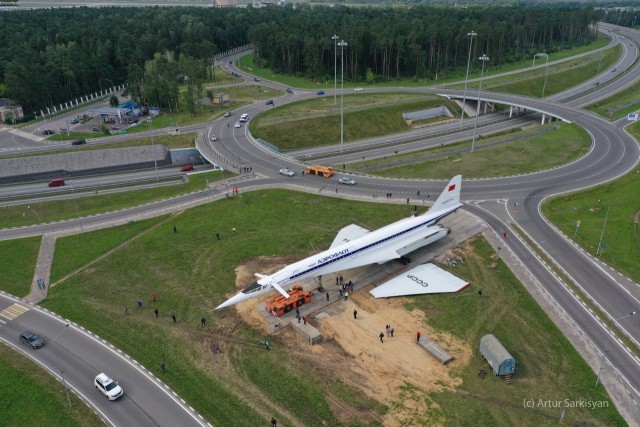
[108,387]
[287,172]
[214,138]
[347,181]
[358,89]
[237,125]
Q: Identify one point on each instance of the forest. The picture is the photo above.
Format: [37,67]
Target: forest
[51,56]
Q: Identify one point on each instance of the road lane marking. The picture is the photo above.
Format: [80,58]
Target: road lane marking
[13,311]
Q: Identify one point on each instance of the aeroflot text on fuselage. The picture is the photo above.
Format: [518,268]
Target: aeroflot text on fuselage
[332,256]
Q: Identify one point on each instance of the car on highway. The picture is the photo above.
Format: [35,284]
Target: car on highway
[347,181]
[269,102]
[214,138]
[108,387]
[48,132]
[287,172]
[31,339]
[237,125]
[186,168]
[320,92]
[289,90]
[79,141]
[358,89]
[256,79]
[74,121]
[227,114]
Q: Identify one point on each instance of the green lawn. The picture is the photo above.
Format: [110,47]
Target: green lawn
[246,63]
[32,398]
[191,272]
[548,367]
[560,77]
[18,263]
[316,122]
[519,151]
[57,210]
[616,201]
[253,92]
[618,105]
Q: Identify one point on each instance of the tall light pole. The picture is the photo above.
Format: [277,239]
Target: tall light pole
[60,366]
[335,67]
[546,72]
[604,353]
[471,35]
[483,58]
[155,161]
[598,70]
[598,251]
[342,45]
[37,214]
[76,204]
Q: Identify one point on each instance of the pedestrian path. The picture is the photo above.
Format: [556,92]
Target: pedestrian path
[26,135]
[13,311]
[43,269]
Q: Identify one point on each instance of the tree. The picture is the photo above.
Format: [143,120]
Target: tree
[113,101]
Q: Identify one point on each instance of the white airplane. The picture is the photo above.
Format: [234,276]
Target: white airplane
[355,246]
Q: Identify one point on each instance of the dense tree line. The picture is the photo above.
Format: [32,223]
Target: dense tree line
[412,42]
[51,56]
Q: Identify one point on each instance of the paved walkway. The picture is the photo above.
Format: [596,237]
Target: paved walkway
[43,269]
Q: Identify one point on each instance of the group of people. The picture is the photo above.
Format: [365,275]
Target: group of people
[41,284]
[344,288]
[389,330]
[245,169]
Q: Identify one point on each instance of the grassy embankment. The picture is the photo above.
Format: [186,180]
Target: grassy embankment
[191,272]
[515,152]
[316,122]
[246,63]
[618,202]
[32,398]
[62,209]
[619,105]
[18,263]
[560,78]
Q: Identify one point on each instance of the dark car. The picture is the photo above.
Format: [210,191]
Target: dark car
[48,132]
[256,79]
[79,141]
[289,90]
[31,339]
[270,102]
[320,92]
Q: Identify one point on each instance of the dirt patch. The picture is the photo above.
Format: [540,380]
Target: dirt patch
[352,351]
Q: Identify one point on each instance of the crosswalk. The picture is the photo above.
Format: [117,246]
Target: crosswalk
[13,311]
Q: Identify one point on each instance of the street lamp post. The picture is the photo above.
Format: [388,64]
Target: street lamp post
[604,353]
[546,72]
[483,58]
[471,35]
[76,204]
[37,214]
[66,389]
[155,161]
[598,70]
[335,67]
[342,45]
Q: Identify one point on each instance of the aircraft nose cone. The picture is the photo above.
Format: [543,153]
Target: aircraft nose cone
[232,301]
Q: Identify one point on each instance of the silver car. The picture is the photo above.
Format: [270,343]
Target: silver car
[347,181]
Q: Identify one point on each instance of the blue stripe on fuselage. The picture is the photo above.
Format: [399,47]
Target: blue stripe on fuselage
[386,239]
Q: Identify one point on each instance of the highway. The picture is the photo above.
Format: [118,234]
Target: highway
[495,200]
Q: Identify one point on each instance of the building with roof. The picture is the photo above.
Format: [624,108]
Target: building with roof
[9,110]
[498,357]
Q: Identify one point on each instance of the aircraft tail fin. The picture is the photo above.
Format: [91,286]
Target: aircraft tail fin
[450,196]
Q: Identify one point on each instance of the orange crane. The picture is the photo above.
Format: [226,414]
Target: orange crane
[280,305]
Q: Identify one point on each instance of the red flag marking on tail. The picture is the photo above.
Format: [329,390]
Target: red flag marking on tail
[452,187]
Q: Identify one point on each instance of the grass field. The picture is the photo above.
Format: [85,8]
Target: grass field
[548,367]
[560,77]
[32,398]
[246,63]
[57,210]
[191,272]
[529,151]
[316,122]
[618,105]
[618,203]
[253,92]
[18,263]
